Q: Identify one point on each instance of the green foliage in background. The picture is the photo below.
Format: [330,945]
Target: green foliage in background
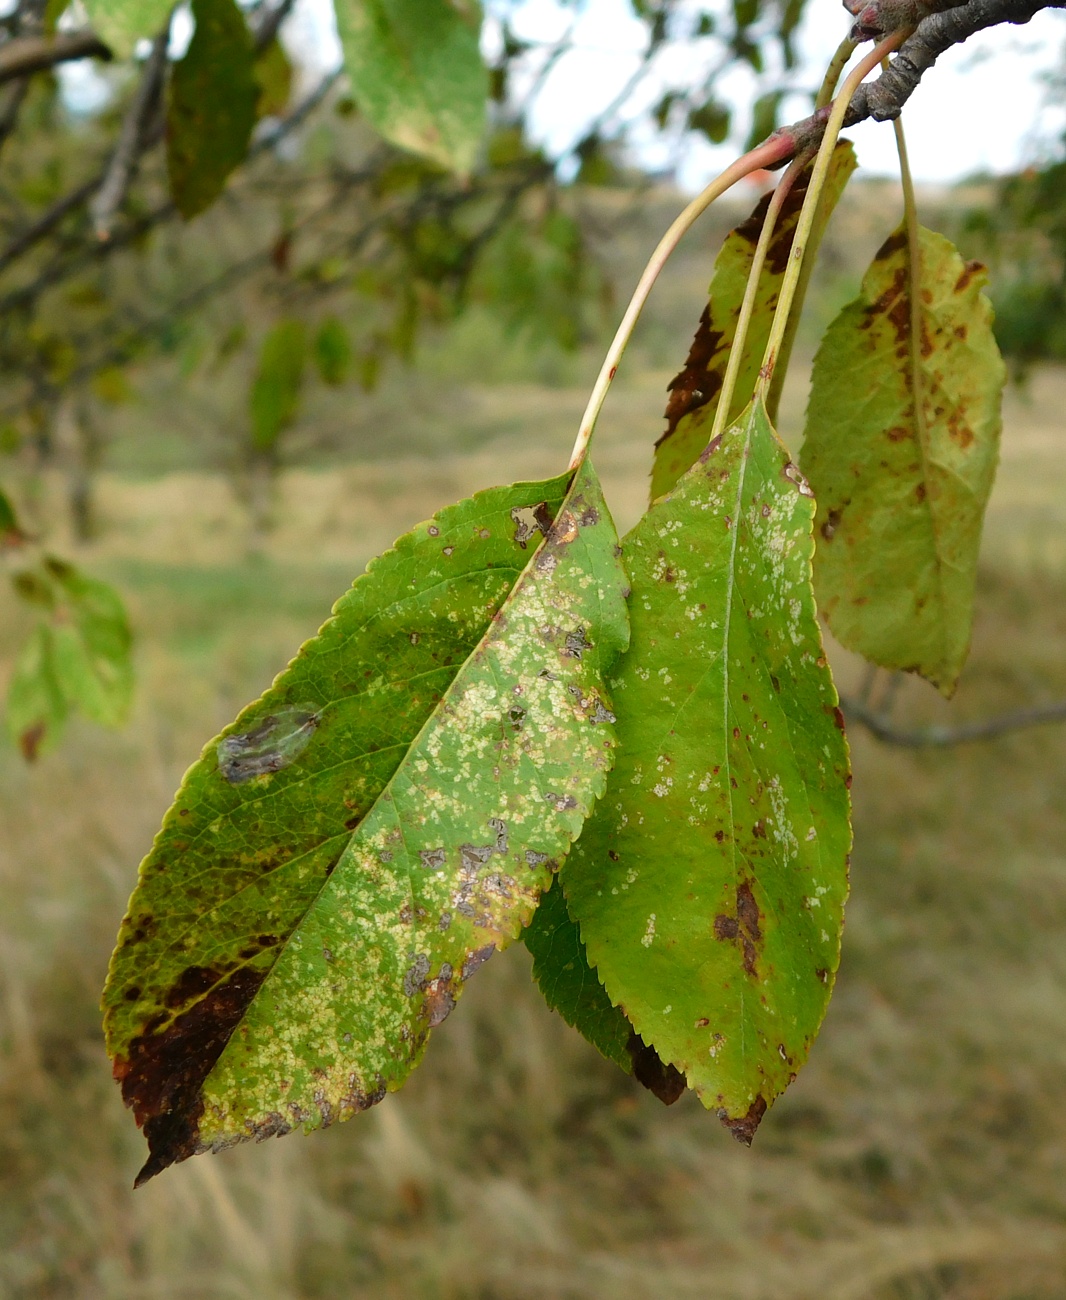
[275,392]
[211,107]
[78,656]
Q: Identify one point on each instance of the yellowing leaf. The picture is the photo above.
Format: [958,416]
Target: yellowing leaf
[901,449]
[366,835]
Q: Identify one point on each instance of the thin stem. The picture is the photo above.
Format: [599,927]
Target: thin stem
[751,292]
[773,150]
[837,64]
[810,205]
[784,356]
[914,278]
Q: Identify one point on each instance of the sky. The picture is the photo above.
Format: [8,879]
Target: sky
[982,108]
[995,85]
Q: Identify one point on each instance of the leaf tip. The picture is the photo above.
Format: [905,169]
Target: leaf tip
[743,1127]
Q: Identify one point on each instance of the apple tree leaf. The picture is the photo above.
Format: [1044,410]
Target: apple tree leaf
[362,838]
[901,447]
[121,23]
[417,74]
[211,106]
[709,884]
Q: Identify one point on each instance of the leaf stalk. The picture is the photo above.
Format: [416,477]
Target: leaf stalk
[810,206]
[751,290]
[774,149]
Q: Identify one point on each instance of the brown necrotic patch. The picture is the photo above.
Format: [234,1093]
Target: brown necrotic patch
[162,1076]
[661,1079]
[744,928]
[699,382]
[743,1127]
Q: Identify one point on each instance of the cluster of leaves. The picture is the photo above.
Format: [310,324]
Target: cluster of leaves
[426,198]
[629,753]
[78,656]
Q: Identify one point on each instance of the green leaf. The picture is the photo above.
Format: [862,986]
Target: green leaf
[92,645]
[273,77]
[901,450]
[36,705]
[416,71]
[764,117]
[363,837]
[11,534]
[79,656]
[121,23]
[712,119]
[571,987]
[709,884]
[333,352]
[569,984]
[699,383]
[275,394]
[211,106]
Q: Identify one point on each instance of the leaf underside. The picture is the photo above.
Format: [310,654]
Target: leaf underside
[417,73]
[697,386]
[901,448]
[573,989]
[211,106]
[709,884]
[364,837]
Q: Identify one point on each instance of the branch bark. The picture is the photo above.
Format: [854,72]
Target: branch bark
[28,54]
[132,138]
[883,99]
[881,726]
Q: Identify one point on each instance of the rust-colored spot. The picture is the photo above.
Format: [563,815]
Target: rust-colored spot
[665,1081]
[897,433]
[748,910]
[743,1127]
[476,960]
[726,927]
[969,271]
[892,244]
[30,741]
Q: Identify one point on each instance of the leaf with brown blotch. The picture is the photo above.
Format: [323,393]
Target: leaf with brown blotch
[350,850]
[709,883]
[694,391]
[901,449]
